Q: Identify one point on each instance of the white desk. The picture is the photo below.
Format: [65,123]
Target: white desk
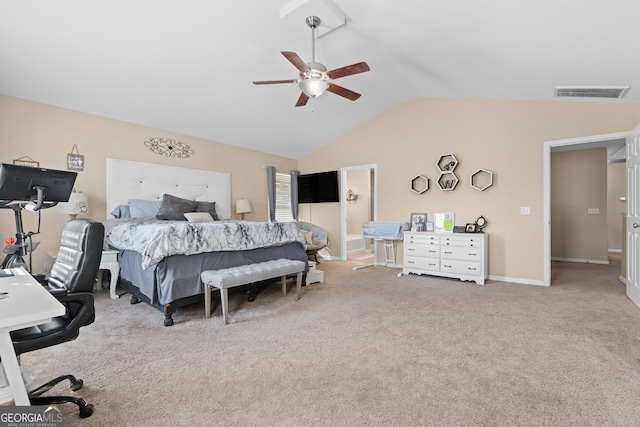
[27,304]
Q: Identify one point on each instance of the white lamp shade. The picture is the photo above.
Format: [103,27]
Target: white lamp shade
[313,87]
[243,206]
[77,204]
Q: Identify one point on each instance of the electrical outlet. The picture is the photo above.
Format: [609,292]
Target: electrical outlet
[525,210]
[593,211]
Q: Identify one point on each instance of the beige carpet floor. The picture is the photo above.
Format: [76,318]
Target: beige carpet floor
[366,348]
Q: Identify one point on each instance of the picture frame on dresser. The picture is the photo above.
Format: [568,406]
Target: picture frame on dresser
[418,221]
[444,221]
[470,228]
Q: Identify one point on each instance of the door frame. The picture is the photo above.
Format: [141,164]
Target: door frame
[343,204]
[580,143]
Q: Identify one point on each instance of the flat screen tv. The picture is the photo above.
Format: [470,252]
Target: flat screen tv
[318,187]
[19,183]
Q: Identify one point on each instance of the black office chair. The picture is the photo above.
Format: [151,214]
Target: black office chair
[71,281]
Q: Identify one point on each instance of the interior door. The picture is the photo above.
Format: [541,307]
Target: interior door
[633,216]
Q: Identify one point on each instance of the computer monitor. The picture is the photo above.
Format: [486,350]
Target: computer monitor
[21,183]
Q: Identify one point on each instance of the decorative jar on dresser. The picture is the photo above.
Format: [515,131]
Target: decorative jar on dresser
[456,255]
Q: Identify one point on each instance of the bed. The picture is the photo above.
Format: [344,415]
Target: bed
[161,252]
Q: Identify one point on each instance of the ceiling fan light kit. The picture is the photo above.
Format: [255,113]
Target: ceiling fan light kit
[314,78]
[313,87]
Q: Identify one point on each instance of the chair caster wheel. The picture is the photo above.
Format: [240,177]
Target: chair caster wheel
[86,411]
[76,385]
[168,322]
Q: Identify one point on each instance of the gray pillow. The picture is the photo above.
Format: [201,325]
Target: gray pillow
[121,211]
[207,207]
[173,208]
[144,208]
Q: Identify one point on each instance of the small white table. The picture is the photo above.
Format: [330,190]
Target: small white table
[26,303]
[108,261]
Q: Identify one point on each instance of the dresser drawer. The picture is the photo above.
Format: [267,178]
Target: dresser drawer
[460,267]
[422,238]
[427,264]
[421,250]
[462,241]
[461,253]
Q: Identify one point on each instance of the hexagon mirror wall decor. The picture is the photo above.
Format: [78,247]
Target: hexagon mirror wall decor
[419,184]
[481,179]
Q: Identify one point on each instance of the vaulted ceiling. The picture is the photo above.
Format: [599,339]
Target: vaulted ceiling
[187,66]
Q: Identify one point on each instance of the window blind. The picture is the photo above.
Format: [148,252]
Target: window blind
[283,197]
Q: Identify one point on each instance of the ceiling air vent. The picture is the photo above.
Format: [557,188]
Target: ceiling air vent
[613,92]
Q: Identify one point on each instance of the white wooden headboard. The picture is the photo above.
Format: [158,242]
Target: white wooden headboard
[148,181]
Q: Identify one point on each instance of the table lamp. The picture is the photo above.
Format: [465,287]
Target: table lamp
[243,206]
[77,204]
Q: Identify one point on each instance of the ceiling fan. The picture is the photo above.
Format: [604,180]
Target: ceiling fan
[314,77]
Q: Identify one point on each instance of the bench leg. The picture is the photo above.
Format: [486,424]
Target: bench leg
[224,300]
[284,286]
[298,284]
[207,300]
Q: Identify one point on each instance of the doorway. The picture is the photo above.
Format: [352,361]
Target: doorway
[358,204]
[595,141]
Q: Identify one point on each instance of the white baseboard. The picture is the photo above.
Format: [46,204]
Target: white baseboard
[617,251]
[516,280]
[585,261]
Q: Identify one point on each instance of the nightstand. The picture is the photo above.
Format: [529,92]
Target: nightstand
[108,261]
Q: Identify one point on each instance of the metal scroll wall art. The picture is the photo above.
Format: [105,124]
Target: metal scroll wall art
[169,147]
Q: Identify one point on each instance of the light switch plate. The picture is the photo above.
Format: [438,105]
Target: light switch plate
[525,210]
[593,211]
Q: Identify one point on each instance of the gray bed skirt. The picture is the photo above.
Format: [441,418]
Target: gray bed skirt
[178,276]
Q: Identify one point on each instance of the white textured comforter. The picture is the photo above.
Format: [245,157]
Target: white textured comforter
[156,239]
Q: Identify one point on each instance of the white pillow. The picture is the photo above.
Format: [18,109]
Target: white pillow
[198,216]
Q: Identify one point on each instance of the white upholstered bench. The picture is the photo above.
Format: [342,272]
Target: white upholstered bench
[245,274]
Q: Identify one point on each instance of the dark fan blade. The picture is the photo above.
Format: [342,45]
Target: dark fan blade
[360,67]
[302,101]
[296,61]
[339,90]
[273,82]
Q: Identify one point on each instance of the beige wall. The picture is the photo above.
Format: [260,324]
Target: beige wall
[616,188]
[505,137]
[579,182]
[47,134]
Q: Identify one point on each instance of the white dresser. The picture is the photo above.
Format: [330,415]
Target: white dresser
[457,255]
